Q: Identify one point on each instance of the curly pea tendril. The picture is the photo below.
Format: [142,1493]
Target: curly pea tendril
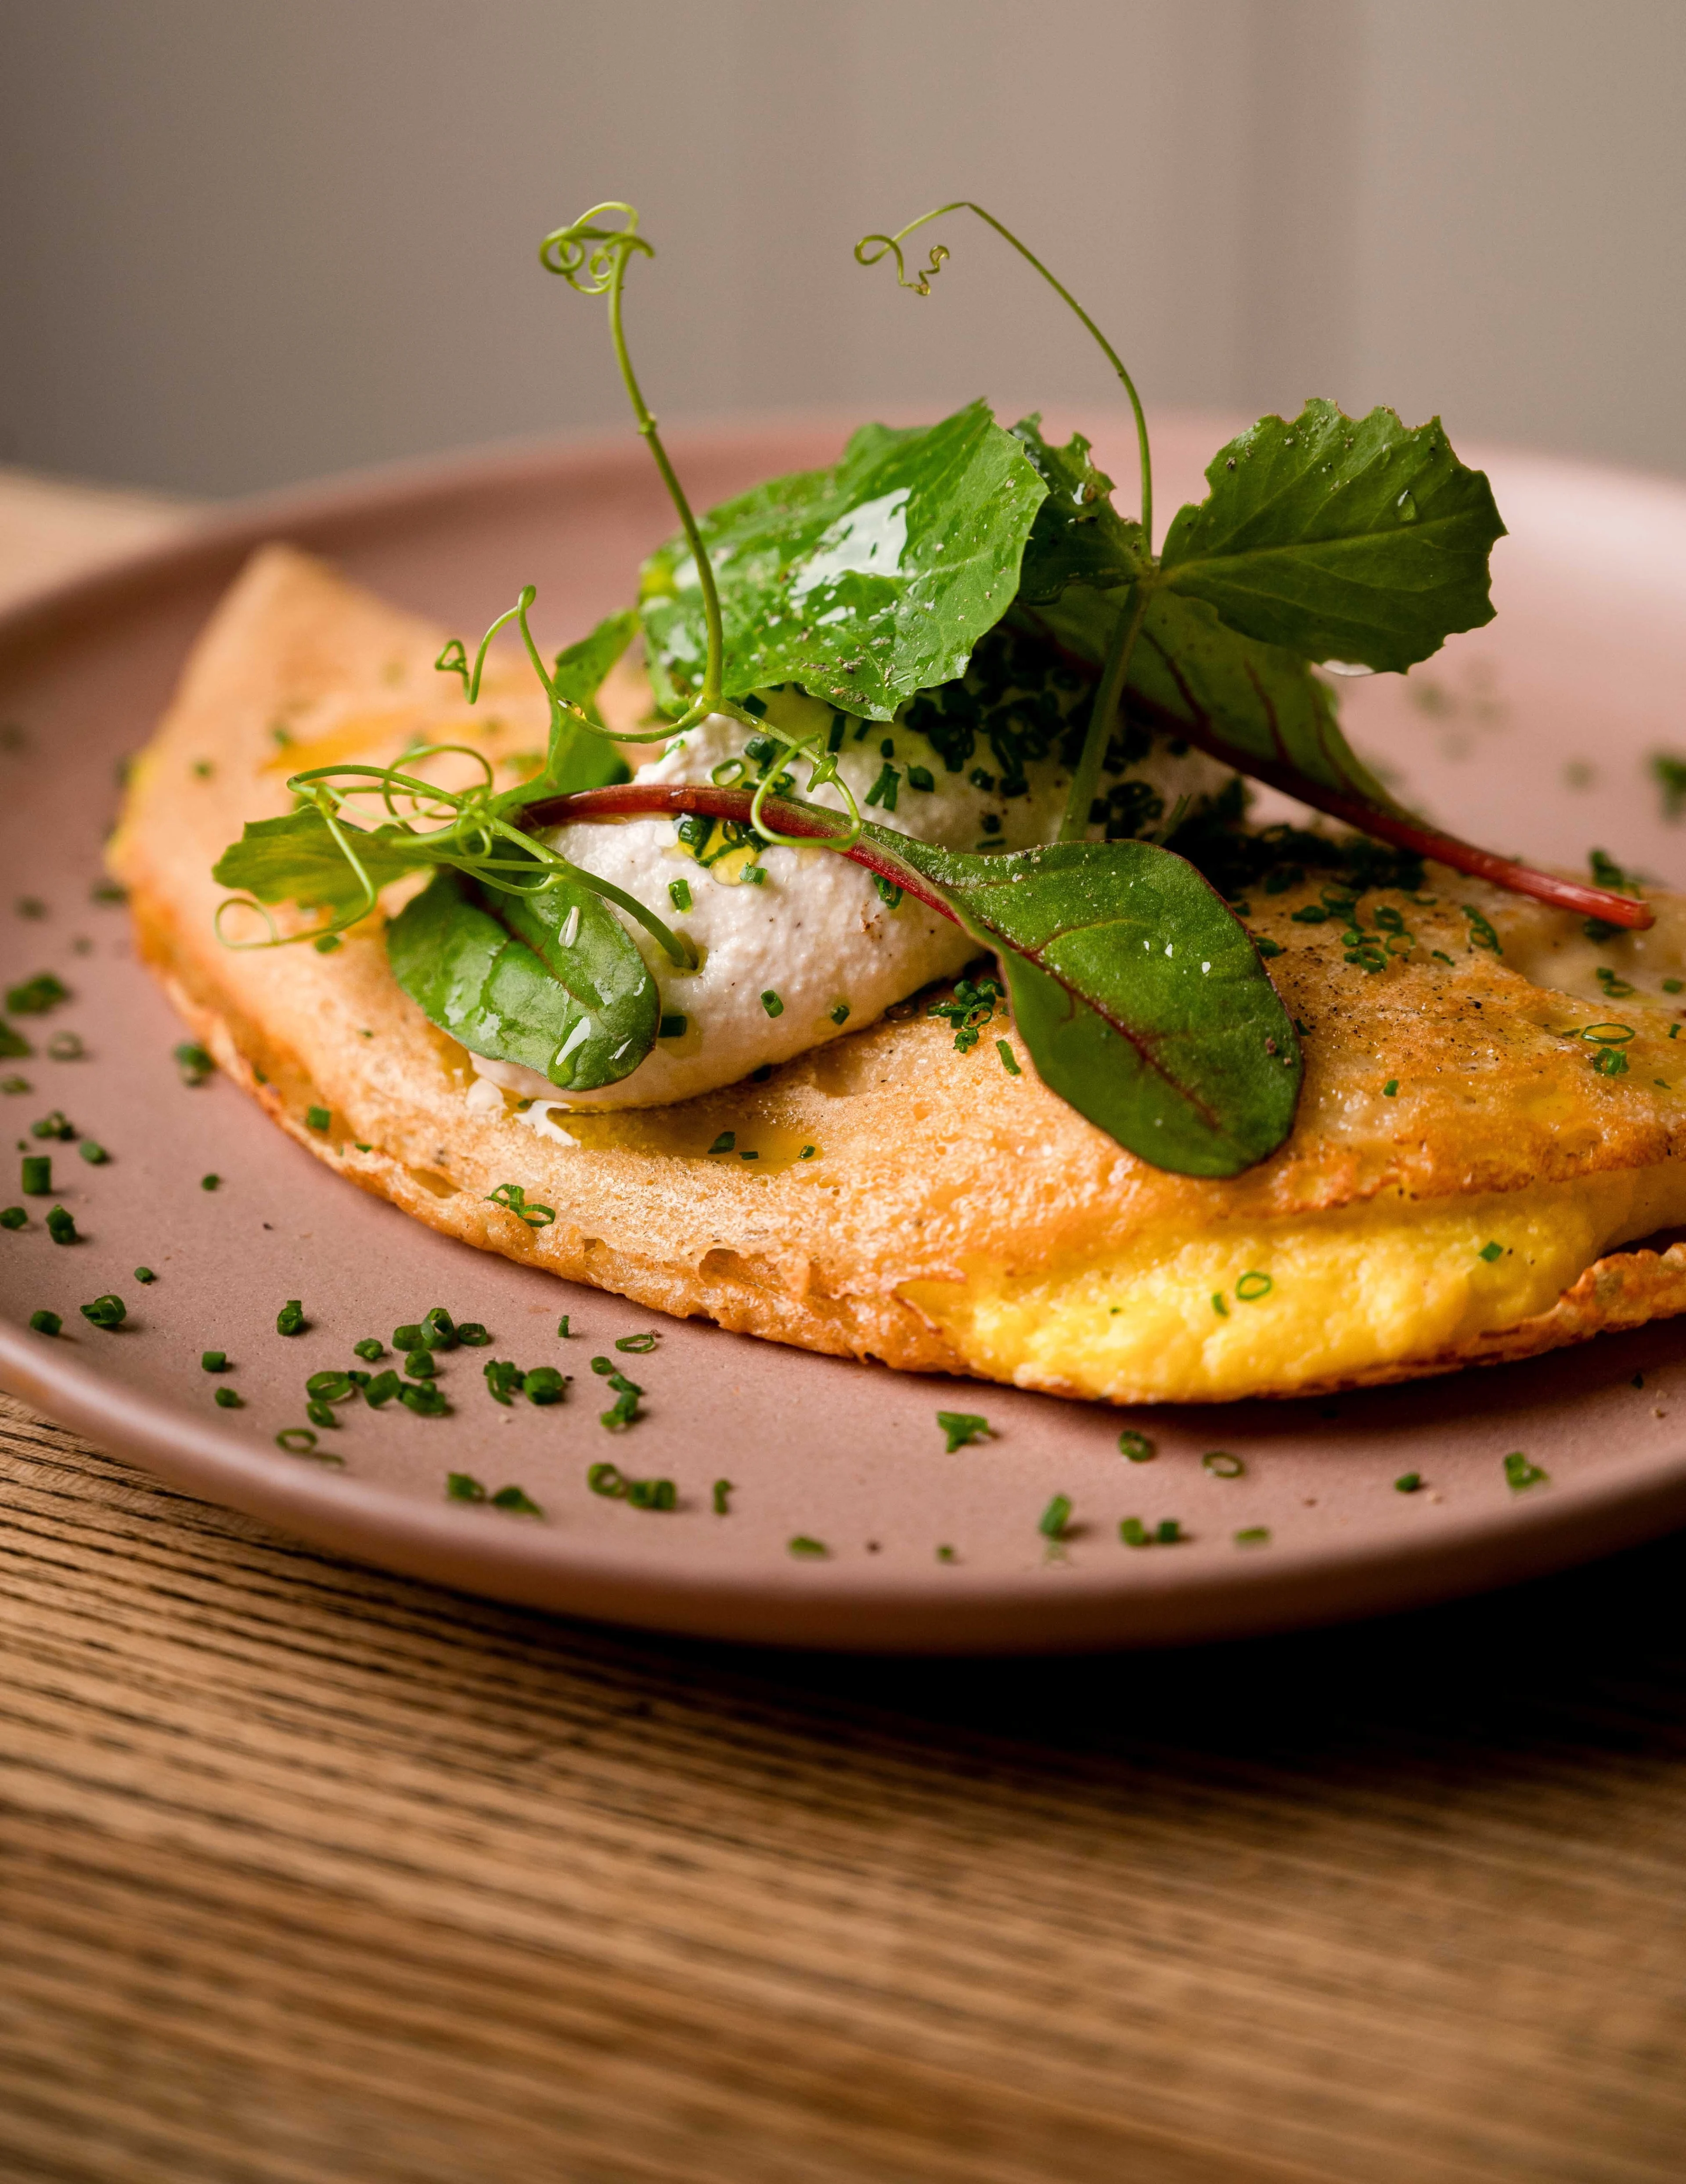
[592,257]
[1074,825]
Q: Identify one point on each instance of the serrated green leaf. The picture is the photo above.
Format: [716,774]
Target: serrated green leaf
[1246,703]
[1078,536]
[296,859]
[552,980]
[1140,999]
[864,583]
[1339,538]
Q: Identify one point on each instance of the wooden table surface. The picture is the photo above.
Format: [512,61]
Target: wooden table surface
[309,1874]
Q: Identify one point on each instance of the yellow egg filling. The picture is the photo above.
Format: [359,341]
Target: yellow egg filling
[1182,1318]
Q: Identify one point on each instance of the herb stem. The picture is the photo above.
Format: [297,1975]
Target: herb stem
[1108,697]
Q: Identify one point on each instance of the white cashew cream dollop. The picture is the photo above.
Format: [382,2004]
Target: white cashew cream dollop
[813,950]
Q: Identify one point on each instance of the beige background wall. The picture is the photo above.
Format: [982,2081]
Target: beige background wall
[246,241]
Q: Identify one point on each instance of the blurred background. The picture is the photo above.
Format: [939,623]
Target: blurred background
[246,242]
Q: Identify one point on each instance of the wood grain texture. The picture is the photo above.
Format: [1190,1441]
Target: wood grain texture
[313,1875]
[307,1872]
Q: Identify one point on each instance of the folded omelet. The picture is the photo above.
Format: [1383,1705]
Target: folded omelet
[1464,1171]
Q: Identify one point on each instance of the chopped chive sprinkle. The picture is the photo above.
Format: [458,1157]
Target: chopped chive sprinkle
[1264,946]
[517,1501]
[65,1046]
[512,1198]
[209,1182]
[325,942]
[440,1328]
[46,1322]
[13,1217]
[1135,1446]
[1255,1535]
[1221,1464]
[36,995]
[226,1398]
[1253,1285]
[1611,1063]
[426,1400]
[55,1125]
[721,1491]
[290,1319]
[94,1156]
[945,1554]
[145,1274]
[317,1118]
[543,1384]
[503,1379]
[812,1550]
[463,1486]
[963,1428]
[1520,1472]
[1218,1304]
[195,1064]
[672,1027]
[840,1012]
[331,1386]
[320,1414]
[1055,1518]
[1490,1252]
[61,1227]
[771,1003]
[36,1180]
[679,893]
[605,1478]
[14,1047]
[808,1153]
[213,1361]
[1133,1532]
[106,1312]
[419,1365]
[888,892]
[749,1156]
[920,777]
[562,1327]
[638,1342]
[382,1388]
[369,1350]
[724,1143]
[1390,1090]
[472,1334]
[1010,1060]
[409,1336]
[1408,1482]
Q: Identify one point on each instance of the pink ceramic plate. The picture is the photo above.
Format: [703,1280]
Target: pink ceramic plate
[1533,734]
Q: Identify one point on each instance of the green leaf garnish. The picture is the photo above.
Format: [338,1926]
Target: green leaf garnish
[1139,997]
[553,981]
[1339,537]
[864,583]
[297,859]
[576,758]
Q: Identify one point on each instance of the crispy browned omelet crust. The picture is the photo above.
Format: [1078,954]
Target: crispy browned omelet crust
[930,1162]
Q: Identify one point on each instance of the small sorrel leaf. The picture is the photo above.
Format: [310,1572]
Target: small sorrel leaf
[553,980]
